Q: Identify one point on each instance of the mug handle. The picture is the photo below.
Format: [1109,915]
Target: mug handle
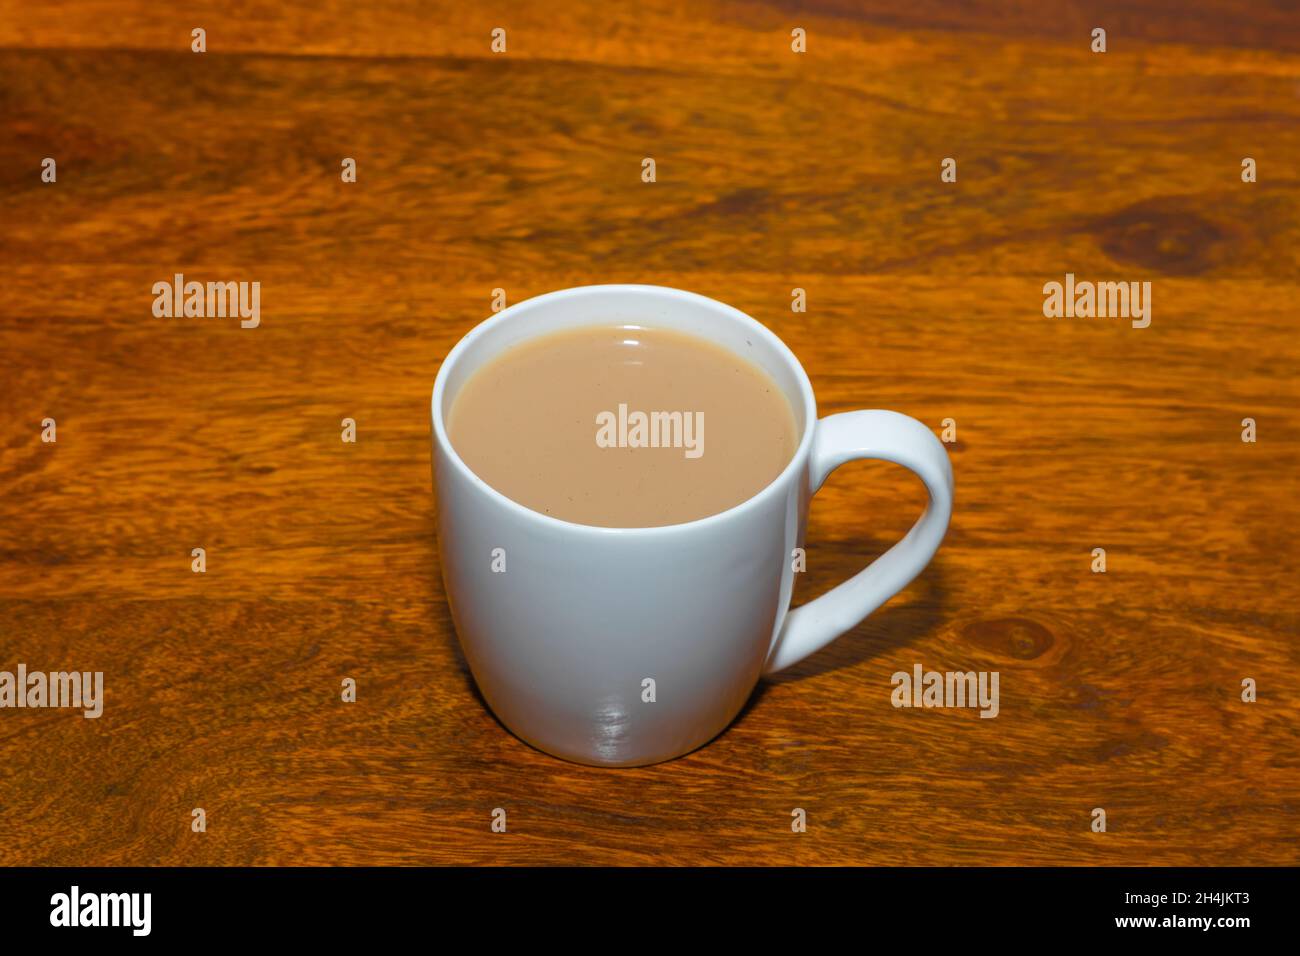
[847,437]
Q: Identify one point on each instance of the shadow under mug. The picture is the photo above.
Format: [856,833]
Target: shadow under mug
[564,642]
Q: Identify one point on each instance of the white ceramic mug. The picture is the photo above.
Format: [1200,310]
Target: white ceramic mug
[563,641]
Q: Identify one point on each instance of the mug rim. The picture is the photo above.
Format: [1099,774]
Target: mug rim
[797,460]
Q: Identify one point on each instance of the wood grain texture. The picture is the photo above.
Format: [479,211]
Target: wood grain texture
[1118,690]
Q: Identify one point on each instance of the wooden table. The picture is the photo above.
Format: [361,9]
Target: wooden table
[775,170]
